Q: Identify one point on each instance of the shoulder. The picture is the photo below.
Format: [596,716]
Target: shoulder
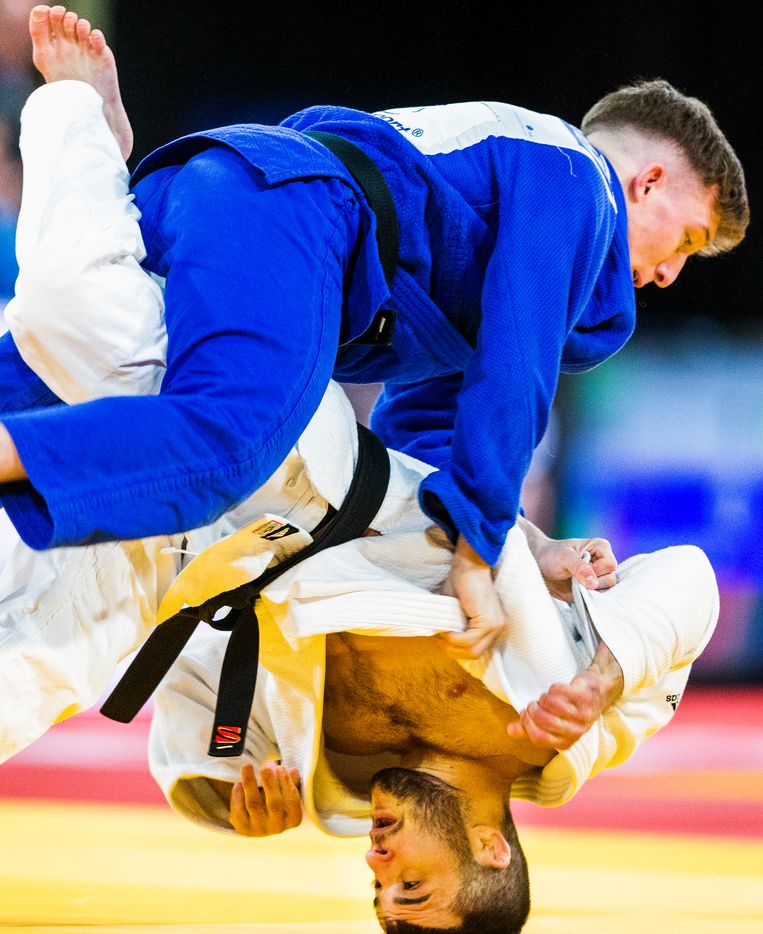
[444,128]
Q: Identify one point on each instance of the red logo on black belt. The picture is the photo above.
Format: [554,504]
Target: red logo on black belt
[227,735]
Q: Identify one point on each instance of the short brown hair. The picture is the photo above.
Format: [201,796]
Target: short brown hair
[656,107]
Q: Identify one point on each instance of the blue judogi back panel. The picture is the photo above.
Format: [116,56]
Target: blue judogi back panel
[513,266]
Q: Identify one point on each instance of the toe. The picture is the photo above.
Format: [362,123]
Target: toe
[97,41]
[70,22]
[57,14]
[39,23]
[83,30]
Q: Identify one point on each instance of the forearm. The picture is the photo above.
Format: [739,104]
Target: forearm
[566,712]
[604,663]
[606,666]
[536,539]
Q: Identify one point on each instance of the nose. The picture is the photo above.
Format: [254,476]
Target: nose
[378,857]
[666,273]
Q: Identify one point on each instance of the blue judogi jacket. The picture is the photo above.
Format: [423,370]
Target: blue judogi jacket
[513,266]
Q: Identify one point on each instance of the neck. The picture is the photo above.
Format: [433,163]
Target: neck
[623,153]
[486,784]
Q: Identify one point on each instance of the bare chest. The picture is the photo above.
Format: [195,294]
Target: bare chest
[387,695]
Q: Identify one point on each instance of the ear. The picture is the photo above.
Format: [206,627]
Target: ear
[489,846]
[647,178]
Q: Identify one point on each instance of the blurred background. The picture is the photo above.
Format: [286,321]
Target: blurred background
[661,445]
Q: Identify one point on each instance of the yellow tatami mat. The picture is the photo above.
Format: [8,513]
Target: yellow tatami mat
[105,868]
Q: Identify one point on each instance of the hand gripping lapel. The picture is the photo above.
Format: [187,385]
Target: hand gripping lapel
[239,671]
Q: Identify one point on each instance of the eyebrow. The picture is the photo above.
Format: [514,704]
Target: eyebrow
[401,900]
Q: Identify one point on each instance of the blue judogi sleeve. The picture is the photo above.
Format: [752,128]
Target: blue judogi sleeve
[541,295]
[418,418]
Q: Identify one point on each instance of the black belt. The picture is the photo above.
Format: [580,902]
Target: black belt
[374,186]
[239,671]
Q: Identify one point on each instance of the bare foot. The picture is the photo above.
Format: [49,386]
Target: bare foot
[65,48]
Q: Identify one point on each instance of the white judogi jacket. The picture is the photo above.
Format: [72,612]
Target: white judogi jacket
[656,621]
[89,321]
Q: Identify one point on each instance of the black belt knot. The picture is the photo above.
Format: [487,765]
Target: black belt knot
[238,676]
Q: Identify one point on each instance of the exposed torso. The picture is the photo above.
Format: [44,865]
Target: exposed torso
[389,695]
